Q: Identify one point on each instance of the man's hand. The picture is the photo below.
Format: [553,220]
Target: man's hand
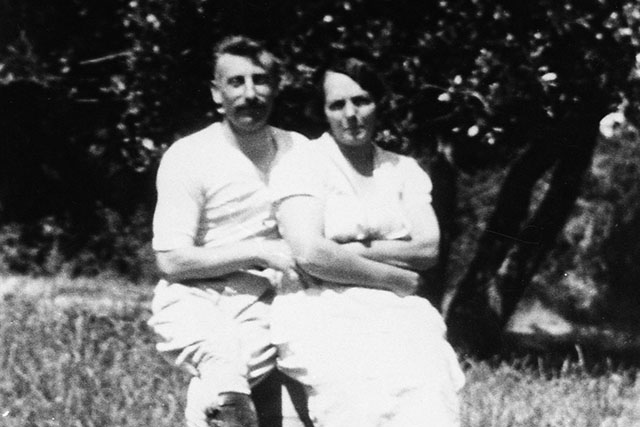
[275,254]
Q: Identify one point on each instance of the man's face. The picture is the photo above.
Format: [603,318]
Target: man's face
[245,91]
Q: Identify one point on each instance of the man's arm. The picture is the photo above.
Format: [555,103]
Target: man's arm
[203,263]
[301,224]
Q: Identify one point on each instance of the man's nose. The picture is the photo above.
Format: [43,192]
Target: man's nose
[249,89]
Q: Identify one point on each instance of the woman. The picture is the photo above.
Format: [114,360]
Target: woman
[369,355]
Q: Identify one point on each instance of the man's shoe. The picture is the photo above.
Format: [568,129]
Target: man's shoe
[233,410]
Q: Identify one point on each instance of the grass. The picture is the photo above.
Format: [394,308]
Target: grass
[78,353]
[66,362]
[510,396]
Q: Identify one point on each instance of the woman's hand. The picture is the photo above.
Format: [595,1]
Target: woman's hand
[407,287]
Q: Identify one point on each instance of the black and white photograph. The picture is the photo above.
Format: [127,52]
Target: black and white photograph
[338,213]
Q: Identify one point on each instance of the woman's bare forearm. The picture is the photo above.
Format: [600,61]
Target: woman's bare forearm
[329,261]
[412,255]
[300,222]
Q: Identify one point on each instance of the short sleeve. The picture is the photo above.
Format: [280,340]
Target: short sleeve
[297,171]
[175,221]
[417,186]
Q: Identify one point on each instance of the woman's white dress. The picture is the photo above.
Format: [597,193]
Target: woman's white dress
[368,357]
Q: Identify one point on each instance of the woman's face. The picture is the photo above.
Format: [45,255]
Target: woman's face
[350,110]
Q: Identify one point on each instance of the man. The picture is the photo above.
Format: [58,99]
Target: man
[216,240]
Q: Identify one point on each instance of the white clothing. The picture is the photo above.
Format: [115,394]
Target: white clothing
[367,356]
[210,194]
[221,337]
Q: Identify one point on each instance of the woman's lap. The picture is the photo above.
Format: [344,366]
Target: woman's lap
[378,351]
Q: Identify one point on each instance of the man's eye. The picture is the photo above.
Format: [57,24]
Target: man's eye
[336,105]
[261,79]
[236,81]
[361,101]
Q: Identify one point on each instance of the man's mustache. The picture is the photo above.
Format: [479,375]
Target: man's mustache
[251,105]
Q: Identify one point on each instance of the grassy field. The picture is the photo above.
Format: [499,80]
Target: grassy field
[78,353]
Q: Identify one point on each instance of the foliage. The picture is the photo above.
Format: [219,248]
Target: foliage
[474,75]
[30,249]
[47,248]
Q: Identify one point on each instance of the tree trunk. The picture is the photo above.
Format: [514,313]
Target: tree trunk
[515,242]
[474,315]
[546,224]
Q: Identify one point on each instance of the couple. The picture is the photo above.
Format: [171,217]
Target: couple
[280,251]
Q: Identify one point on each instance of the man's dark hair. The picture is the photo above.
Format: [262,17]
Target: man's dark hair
[249,48]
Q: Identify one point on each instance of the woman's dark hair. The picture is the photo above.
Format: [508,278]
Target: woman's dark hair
[357,63]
